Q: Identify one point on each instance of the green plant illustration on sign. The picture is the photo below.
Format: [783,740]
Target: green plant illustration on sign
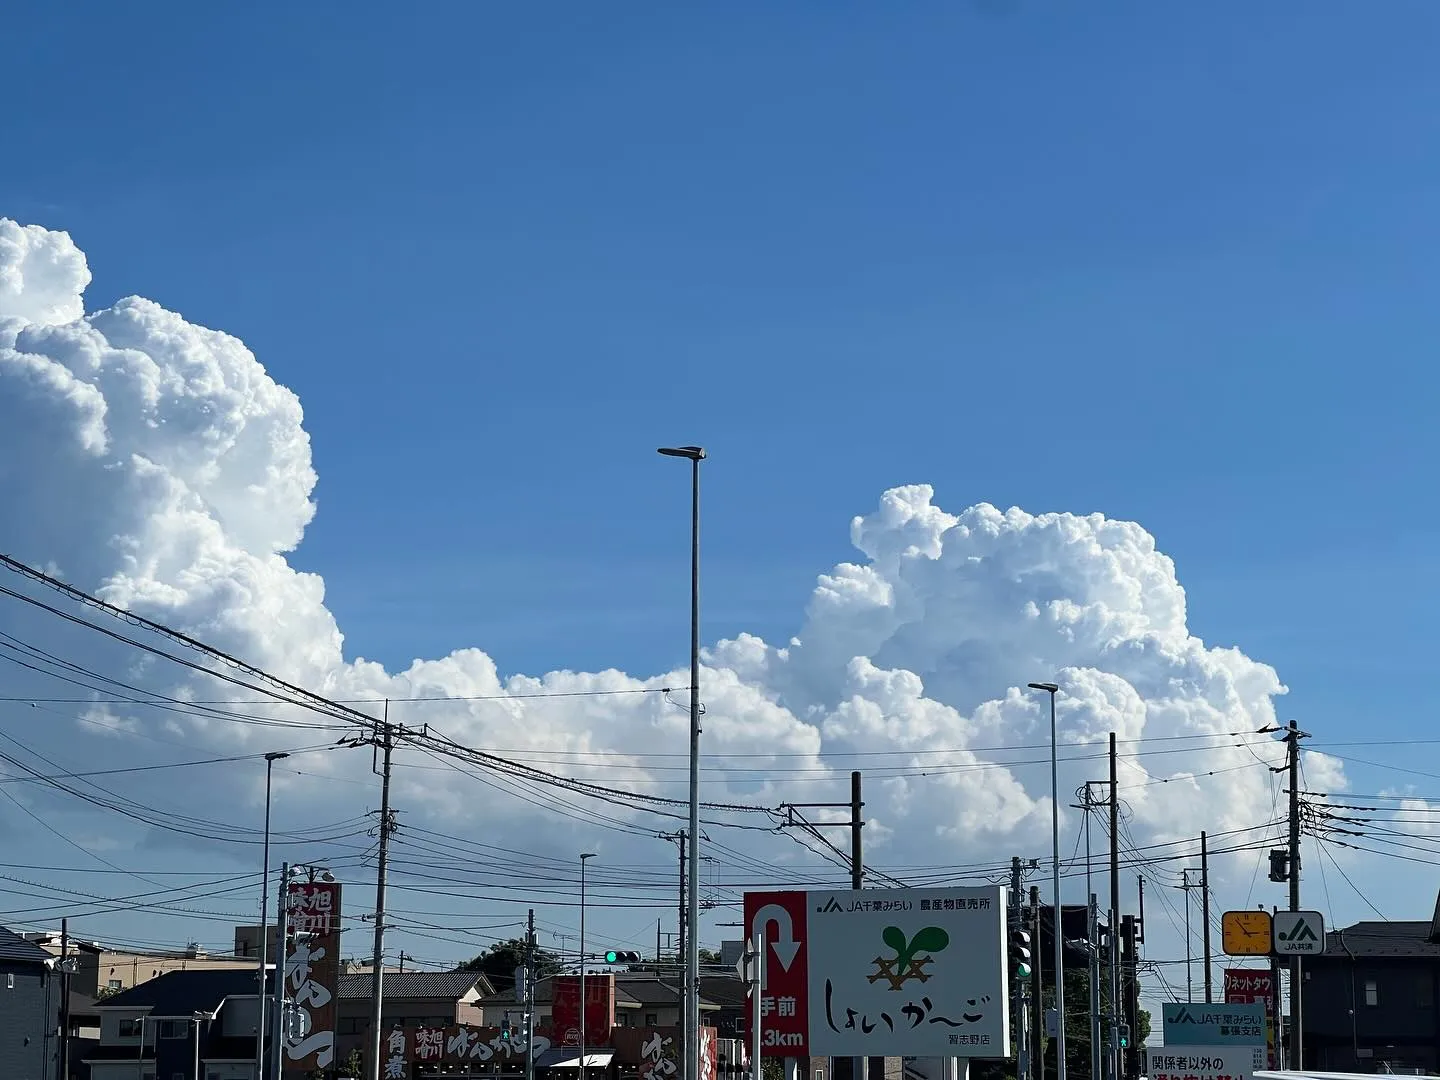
[910,957]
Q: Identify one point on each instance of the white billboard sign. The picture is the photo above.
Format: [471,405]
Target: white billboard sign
[908,973]
[1205,1062]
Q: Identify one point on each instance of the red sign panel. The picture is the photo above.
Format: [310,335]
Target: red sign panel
[779,920]
[599,1009]
[312,969]
[1254,986]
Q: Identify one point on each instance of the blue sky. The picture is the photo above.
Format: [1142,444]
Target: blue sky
[1171,263]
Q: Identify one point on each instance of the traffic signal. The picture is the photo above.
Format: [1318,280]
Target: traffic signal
[505,1028]
[1124,1036]
[613,957]
[1279,865]
[1020,953]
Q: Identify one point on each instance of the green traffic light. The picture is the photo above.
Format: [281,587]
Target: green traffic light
[611,957]
[1023,971]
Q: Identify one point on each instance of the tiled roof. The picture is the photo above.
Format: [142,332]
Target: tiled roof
[409,985]
[1376,939]
[182,993]
[16,950]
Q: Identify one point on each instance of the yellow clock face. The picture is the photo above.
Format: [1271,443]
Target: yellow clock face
[1246,933]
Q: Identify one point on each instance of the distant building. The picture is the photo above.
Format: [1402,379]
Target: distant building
[1372,1000]
[29,1010]
[427,998]
[102,970]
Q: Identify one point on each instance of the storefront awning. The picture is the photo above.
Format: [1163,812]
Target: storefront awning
[568,1057]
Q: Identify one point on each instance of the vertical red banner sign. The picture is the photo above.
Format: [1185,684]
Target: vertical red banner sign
[779,919]
[599,1009]
[1254,986]
[312,970]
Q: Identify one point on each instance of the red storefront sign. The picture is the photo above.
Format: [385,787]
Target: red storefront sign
[779,920]
[599,1009]
[1254,986]
[312,953]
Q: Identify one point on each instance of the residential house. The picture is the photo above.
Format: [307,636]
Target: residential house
[427,998]
[156,1029]
[29,1010]
[84,1033]
[102,970]
[1372,999]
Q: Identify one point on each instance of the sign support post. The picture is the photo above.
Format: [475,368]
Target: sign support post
[756,975]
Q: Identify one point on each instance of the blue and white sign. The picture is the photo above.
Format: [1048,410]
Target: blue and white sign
[1197,1024]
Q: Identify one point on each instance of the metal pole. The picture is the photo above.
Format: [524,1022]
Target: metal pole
[1052,689]
[64,999]
[757,991]
[196,1074]
[583,860]
[1019,1003]
[377,978]
[1205,913]
[857,873]
[530,996]
[277,1025]
[692,954]
[1114,1054]
[270,760]
[1092,928]
[1297,1027]
[1037,1026]
[692,943]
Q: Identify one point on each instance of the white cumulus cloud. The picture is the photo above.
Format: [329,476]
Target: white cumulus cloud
[159,464]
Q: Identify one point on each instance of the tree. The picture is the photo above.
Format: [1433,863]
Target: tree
[498,963]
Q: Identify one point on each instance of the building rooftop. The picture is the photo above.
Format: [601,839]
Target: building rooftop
[1412,938]
[182,993]
[15,949]
[636,989]
[409,985]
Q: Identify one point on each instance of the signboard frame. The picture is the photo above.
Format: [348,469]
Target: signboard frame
[1198,1024]
[1287,924]
[312,968]
[887,978]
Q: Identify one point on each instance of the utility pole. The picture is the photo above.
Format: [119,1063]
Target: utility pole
[64,999]
[1037,1023]
[677,838]
[1185,887]
[1017,986]
[857,824]
[530,976]
[277,1027]
[386,740]
[1114,908]
[1092,936]
[1297,1026]
[1205,912]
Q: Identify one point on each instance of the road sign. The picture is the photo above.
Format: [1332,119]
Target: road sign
[1299,933]
[1204,1062]
[777,920]
[1245,933]
[1196,1024]
[908,973]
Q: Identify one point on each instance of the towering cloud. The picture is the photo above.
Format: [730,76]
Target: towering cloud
[158,463]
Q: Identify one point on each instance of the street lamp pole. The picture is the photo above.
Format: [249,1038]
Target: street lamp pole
[583,860]
[270,760]
[1052,689]
[695,455]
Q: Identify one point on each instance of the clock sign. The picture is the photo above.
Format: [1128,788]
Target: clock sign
[1246,933]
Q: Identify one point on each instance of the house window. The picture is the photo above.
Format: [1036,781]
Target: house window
[1372,993]
[112,984]
[172,1029]
[651,1019]
[129,1029]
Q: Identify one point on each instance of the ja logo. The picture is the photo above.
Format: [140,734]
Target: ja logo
[1184,1016]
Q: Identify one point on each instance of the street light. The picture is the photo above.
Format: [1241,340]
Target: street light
[691,1071]
[583,860]
[270,760]
[1052,689]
